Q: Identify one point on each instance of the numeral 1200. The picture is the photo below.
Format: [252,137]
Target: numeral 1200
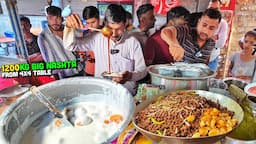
[10,68]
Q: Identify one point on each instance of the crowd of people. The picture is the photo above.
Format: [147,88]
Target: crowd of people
[189,37]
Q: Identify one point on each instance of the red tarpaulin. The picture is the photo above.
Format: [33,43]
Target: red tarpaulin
[228,5]
[163,6]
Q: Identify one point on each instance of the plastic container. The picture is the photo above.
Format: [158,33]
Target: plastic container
[9,34]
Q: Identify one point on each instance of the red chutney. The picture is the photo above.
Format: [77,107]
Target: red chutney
[252,90]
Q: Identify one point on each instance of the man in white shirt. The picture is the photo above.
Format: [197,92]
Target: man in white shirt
[126,55]
[220,37]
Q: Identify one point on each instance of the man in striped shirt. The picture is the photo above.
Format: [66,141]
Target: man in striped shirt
[193,45]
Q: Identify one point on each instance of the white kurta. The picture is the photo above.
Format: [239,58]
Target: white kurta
[129,57]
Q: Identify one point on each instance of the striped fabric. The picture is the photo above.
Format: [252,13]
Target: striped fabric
[187,38]
[52,50]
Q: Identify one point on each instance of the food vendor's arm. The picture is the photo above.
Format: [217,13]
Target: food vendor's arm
[70,40]
[169,35]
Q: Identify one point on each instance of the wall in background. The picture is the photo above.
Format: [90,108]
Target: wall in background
[244,20]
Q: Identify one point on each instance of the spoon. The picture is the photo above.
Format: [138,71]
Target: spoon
[105,31]
[43,99]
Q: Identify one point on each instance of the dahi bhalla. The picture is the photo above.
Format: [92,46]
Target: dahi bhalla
[93,122]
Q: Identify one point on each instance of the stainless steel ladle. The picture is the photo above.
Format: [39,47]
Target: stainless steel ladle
[43,99]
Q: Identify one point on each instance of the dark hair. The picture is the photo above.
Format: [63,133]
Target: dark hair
[90,12]
[216,1]
[143,9]
[128,15]
[115,14]
[25,19]
[177,12]
[53,10]
[212,13]
[250,33]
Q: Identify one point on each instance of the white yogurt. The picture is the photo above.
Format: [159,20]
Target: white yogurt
[94,133]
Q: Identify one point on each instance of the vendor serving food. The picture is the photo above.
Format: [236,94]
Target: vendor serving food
[126,56]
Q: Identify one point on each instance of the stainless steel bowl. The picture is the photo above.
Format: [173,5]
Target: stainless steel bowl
[235,81]
[23,112]
[223,101]
[181,76]
[230,140]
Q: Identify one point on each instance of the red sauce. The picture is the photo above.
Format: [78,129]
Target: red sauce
[252,90]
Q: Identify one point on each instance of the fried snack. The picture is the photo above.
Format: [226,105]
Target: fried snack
[185,114]
[214,122]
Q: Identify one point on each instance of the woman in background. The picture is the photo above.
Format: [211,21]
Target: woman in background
[243,62]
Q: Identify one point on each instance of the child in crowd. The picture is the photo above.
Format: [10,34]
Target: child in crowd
[243,62]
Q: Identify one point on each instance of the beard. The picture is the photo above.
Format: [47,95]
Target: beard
[203,36]
[151,26]
[55,27]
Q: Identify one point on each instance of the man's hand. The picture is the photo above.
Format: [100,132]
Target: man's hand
[169,35]
[176,51]
[74,21]
[126,76]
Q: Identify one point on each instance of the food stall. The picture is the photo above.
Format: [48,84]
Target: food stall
[91,110]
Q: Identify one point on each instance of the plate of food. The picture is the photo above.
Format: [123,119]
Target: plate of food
[187,117]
